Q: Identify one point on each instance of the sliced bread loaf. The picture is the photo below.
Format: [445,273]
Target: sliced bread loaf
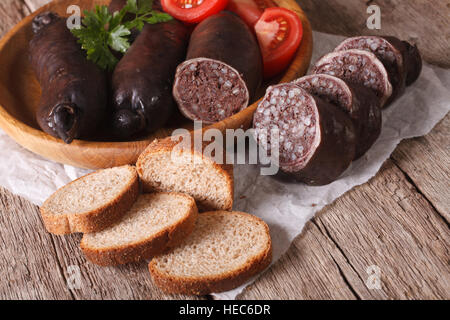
[155,222]
[91,203]
[165,167]
[224,250]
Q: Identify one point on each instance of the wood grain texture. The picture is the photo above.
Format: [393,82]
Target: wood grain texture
[42,269]
[396,221]
[397,230]
[423,22]
[426,160]
[33,5]
[30,271]
[292,277]
[11,12]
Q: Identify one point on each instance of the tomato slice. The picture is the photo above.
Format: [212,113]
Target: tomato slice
[193,11]
[279,32]
[250,10]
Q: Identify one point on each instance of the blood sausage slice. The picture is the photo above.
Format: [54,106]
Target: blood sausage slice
[357,66]
[359,102]
[222,72]
[316,139]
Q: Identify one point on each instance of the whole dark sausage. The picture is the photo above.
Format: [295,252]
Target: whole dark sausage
[316,139]
[358,101]
[357,66]
[117,5]
[143,78]
[222,72]
[73,103]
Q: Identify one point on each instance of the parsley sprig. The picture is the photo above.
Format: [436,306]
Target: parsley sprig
[102,31]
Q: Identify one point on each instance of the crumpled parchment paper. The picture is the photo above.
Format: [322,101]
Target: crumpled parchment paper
[286,207]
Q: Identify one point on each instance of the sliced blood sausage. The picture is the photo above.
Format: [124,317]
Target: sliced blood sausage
[73,102]
[358,101]
[142,80]
[222,72]
[357,66]
[388,53]
[316,139]
[402,60]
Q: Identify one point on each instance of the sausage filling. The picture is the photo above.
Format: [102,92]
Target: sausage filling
[379,46]
[291,110]
[390,57]
[209,90]
[358,67]
[328,88]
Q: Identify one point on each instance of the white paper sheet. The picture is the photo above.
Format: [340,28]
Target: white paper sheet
[286,207]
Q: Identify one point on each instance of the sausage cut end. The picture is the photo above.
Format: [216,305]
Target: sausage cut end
[209,90]
[357,66]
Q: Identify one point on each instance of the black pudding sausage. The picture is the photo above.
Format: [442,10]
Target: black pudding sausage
[117,5]
[359,102]
[73,103]
[222,72]
[316,139]
[357,66]
[143,79]
[401,60]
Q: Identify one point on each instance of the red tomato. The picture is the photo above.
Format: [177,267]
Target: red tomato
[279,32]
[250,10]
[193,11]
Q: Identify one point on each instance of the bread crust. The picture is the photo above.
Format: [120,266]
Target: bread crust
[146,248]
[220,283]
[94,220]
[167,145]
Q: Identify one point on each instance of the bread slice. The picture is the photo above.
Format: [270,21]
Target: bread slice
[165,167]
[91,203]
[224,250]
[155,222]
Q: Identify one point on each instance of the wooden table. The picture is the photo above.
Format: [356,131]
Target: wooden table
[397,223]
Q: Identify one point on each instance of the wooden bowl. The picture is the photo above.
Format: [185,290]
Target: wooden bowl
[20,92]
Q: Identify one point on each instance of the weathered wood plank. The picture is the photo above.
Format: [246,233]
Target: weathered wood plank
[29,267]
[426,160]
[130,281]
[11,12]
[37,265]
[419,21]
[394,228]
[309,270]
[383,223]
[33,5]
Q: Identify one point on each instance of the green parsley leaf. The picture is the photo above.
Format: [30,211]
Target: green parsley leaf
[118,40]
[158,18]
[101,32]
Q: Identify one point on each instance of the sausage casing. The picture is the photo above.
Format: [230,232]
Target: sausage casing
[73,102]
